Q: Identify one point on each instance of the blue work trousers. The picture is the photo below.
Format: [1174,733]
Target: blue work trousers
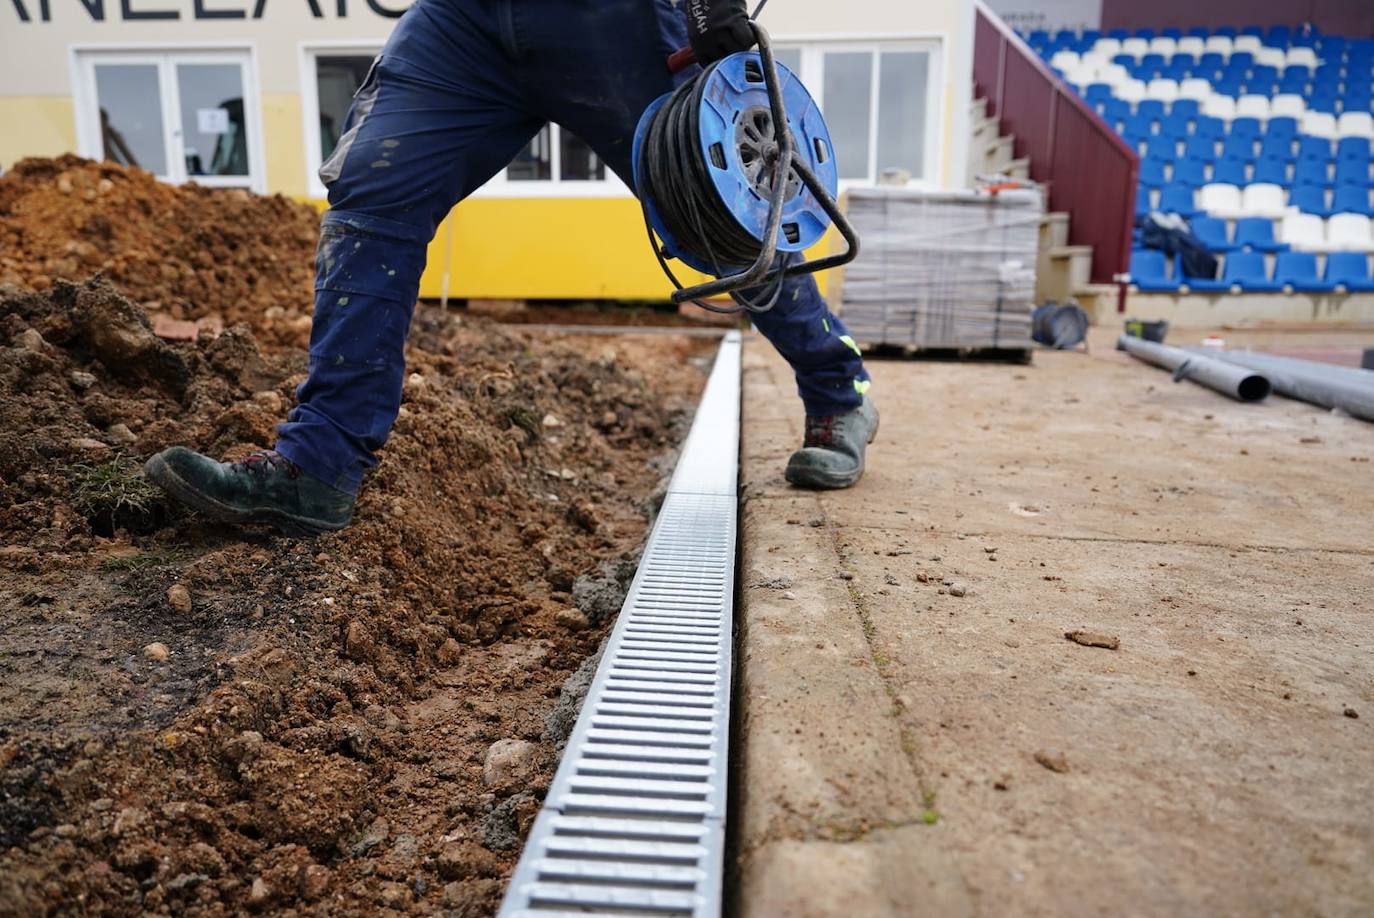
[459,89]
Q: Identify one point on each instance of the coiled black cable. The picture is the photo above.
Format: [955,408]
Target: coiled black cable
[674,174]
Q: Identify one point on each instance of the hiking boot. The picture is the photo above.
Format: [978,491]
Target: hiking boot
[266,487]
[832,455]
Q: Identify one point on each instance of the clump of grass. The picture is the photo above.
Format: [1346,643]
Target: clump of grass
[527,419]
[113,487]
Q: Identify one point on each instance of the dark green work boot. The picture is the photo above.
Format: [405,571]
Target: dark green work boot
[832,455]
[266,487]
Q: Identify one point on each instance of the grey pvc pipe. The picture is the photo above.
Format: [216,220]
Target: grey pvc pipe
[1241,384]
[1321,384]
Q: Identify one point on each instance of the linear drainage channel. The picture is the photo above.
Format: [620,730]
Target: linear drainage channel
[634,823]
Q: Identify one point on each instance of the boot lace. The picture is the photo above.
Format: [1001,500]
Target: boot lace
[820,431]
[265,461]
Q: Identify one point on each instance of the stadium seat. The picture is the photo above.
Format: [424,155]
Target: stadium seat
[1351,199]
[1303,232]
[1211,127]
[1116,111]
[1107,47]
[1349,233]
[1270,57]
[1140,126]
[1211,61]
[1298,271]
[1290,105]
[1312,172]
[1245,270]
[1253,106]
[1318,124]
[1190,172]
[1221,201]
[1240,61]
[1359,149]
[1201,148]
[1212,232]
[1178,198]
[1282,126]
[1249,43]
[1152,172]
[1327,105]
[1162,90]
[1150,108]
[1226,31]
[1224,108]
[1162,147]
[1164,45]
[1190,44]
[1143,204]
[1246,127]
[1197,89]
[1257,233]
[1149,271]
[1352,172]
[1178,126]
[1097,94]
[1065,60]
[1355,124]
[1261,199]
[1230,172]
[1310,147]
[1113,74]
[1273,171]
[1133,91]
[1349,270]
[1187,108]
[1238,146]
[1302,57]
[1135,47]
[1276,147]
[1310,199]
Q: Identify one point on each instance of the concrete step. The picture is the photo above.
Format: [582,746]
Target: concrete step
[978,108]
[1019,168]
[985,131]
[1054,230]
[1063,270]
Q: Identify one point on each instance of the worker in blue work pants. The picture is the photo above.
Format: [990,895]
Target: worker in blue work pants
[459,89]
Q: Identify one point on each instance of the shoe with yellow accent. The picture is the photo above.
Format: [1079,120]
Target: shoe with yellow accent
[832,455]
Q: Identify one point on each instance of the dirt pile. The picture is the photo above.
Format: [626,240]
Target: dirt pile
[188,252]
[199,720]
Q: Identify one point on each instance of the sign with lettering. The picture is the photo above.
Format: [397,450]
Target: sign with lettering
[212,121]
[161,10]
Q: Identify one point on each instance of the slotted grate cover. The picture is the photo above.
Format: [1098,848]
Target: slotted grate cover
[634,821]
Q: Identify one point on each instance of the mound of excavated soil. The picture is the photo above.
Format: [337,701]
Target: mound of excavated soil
[186,251]
[197,719]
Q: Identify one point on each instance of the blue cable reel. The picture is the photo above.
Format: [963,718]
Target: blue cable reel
[726,192]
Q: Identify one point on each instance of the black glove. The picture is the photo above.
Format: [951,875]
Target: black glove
[717,28]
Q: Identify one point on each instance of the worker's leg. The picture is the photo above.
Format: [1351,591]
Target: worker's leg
[437,117]
[594,66]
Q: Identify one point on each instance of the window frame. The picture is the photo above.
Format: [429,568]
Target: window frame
[499,186]
[83,58]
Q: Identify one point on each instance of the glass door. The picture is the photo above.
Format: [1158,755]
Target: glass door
[183,117]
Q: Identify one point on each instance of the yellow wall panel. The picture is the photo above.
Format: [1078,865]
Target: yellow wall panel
[284,149]
[35,126]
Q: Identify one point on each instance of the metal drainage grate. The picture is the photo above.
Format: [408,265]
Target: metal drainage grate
[634,821]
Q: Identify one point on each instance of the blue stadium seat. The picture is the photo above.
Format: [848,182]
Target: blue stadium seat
[1211,61]
[1328,104]
[1265,86]
[1312,172]
[1119,34]
[1199,31]
[1208,126]
[1357,101]
[1330,47]
[1162,147]
[1350,270]
[1176,125]
[1116,111]
[1263,72]
[1228,31]
[1212,232]
[1149,271]
[1310,199]
[1282,126]
[1271,171]
[1135,141]
[1277,147]
[1178,198]
[1190,172]
[1246,127]
[1038,36]
[1294,81]
[1092,34]
[1065,36]
[1140,125]
[1299,271]
[1230,171]
[1176,70]
[1142,201]
[1258,233]
[1354,148]
[1171,33]
[1351,199]
[1248,271]
[1241,61]
[1238,146]
[1310,147]
[1098,93]
[1229,84]
[1188,108]
[1125,60]
[1150,108]
[1277,35]
[1152,60]
[1152,172]
[1200,148]
[1253,30]
[1352,172]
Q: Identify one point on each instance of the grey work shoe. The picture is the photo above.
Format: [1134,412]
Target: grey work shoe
[832,455]
[266,487]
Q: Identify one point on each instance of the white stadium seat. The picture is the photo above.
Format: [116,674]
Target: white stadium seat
[1194,88]
[1356,124]
[1221,201]
[1304,232]
[1249,43]
[1349,233]
[1107,47]
[1303,57]
[1219,44]
[1253,106]
[1135,47]
[1066,61]
[1318,124]
[1190,44]
[1263,200]
[1114,74]
[1270,57]
[1163,90]
[1223,107]
[1164,45]
[1287,104]
[1131,91]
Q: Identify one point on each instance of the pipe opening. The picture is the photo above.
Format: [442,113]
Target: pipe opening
[1253,388]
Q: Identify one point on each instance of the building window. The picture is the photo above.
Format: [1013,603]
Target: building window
[182,116]
[554,163]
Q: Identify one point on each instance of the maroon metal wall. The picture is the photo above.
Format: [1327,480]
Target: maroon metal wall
[1337,17]
[1090,172]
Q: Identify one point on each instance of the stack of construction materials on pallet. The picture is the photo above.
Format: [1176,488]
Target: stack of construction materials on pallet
[942,270]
